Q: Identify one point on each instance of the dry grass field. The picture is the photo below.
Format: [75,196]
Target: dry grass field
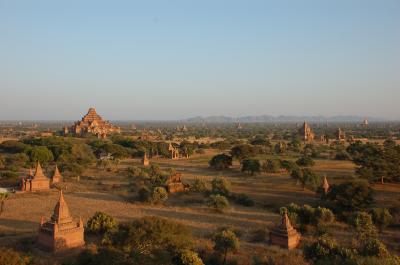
[108,192]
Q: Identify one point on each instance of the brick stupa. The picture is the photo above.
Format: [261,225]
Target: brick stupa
[56,178]
[35,182]
[60,232]
[145,160]
[285,235]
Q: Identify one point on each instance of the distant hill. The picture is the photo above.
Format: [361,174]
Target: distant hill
[280,119]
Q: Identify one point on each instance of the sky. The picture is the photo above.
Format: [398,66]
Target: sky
[173,59]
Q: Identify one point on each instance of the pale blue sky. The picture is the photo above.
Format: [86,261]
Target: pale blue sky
[175,59]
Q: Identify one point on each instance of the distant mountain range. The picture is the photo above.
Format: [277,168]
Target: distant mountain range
[281,119]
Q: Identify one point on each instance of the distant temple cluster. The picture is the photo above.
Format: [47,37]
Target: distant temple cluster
[94,124]
[38,181]
[60,232]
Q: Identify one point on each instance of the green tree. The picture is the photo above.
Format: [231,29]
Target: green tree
[225,241]
[221,185]
[309,179]
[242,151]
[101,223]
[13,147]
[251,166]
[40,154]
[150,238]
[271,166]
[351,195]
[217,202]
[221,161]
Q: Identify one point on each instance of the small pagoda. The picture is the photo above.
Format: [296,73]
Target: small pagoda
[285,235]
[60,232]
[325,186]
[56,178]
[145,160]
[35,181]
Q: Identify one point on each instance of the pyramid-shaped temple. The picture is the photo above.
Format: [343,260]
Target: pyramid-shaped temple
[92,123]
[60,232]
[285,235]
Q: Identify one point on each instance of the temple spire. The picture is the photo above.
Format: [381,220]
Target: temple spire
[39,171]
[325,185]
[61,211]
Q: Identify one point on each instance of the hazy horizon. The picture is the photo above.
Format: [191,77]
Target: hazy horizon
[172,60]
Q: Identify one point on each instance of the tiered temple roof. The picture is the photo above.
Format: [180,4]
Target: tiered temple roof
[60,232]
[285,235]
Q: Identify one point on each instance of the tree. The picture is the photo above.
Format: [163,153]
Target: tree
[40,154]
[159,195]
[309,179]
[199,185]
[150,238]
[305,161]
[381,217]
[225,241]
[351,195]
[220,185]
[11,257]
[251,166]
[13,147]
[218,202]
[271,166]
[326,251]
[242,151]
[101,223]
[2,162]
[221,161]
[188,257]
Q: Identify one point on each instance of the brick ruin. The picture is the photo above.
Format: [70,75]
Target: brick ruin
[174,152]
[60,232]
[325,185]
[38,181]
[94,124]
[175,184]
[285,235]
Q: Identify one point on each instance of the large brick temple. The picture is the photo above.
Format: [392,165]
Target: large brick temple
[92,123]
[60,232]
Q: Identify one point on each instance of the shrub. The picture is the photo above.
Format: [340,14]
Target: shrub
[188,257]
[244,199]
[159,195]
[305,161]
[220,185]
[218,202]
[12,257]
[251,166]
[351,195]
[144,194]
[271,166]
[101,223]
[225,241]
[221,161]
[199,185]
[259,235]
[381,217]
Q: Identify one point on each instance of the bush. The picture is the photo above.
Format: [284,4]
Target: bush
[305,161]
[259,235]
[271,166]
[351,196]
[101,223]
[199,185]
[251,166]
[220,185]
[12,257]
[381,217]
[244,199]
[159,195]
[218,202]
[221,161]
[188,257]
